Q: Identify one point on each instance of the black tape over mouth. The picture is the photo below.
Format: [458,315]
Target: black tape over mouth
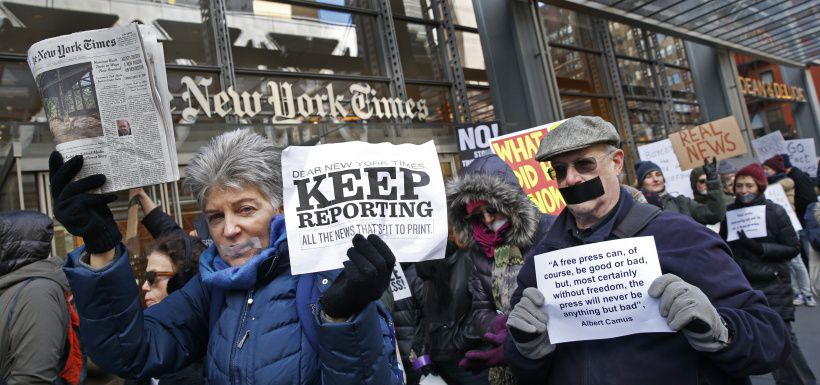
[583,192]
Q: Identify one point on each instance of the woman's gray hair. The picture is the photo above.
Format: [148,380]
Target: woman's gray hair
[235,159]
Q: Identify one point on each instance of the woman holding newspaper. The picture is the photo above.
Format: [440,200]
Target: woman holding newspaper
[245,313]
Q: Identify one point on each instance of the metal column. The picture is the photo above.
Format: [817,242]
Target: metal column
[459,88]
[385,23]
[213,12]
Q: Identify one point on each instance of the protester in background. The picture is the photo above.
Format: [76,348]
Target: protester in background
[497,223]
[727,179]
[804,193]
[239,312]
[698,182]
[651,179]
[725,331]
[813,237]
[35,316]
[776,173]
[764,261]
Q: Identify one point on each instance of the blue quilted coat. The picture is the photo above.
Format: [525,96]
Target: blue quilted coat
[251,334]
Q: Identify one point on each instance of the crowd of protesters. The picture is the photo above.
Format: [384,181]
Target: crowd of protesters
[205,313]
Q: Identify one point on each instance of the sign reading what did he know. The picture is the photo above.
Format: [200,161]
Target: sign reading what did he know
[599,290]
[335,191]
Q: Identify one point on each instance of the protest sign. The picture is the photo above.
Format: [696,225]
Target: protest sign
[662,154]
[334,191]
[769,145]
[599,290]
[518,151]
[399,285]
[777,194]
[474,141]
[752,220]
[719,139]
[802,155]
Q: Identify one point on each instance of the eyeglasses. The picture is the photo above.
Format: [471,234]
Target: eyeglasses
[559,170]
[478,215]
[151,276]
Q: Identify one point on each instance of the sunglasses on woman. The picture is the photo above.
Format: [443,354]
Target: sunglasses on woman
[151,276]
[559,170]
[478,215]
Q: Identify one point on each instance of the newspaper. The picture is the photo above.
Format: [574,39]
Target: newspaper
[105,96]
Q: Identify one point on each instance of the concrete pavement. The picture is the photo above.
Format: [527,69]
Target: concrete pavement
[807,329]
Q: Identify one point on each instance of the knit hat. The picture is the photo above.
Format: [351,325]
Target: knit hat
[755,171]
[724,167]
[643,168]
[775,163]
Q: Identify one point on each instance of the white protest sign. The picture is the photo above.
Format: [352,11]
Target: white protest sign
[399,285]
[776,194]
[599,290]
[335,191]
[662,154]
[752,220]
[802,155]
[769,145]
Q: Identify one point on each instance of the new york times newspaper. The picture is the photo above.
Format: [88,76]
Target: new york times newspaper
[105,96]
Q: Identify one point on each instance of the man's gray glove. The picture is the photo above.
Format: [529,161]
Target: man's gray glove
[687,309]
[528,326]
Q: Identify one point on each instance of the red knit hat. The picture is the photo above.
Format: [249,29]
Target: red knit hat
[776,163]
[755,171]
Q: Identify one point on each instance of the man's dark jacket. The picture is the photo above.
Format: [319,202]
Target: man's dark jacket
[697,255]
[804,194]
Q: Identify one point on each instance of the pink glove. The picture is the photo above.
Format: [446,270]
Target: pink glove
[476,360]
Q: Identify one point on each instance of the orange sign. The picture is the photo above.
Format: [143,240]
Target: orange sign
[518,151]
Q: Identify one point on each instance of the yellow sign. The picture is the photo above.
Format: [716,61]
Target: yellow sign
[756,87]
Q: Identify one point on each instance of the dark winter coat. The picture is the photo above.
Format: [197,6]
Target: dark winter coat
[770,272]
[406,315]
[32,344]
[255,335]
[711,211]
[704,199]
[804,194]
[490,179]
[697,255]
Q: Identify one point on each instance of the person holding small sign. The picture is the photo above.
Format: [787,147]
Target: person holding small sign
[713,208]
[765,261]
[245,313]
[722,329]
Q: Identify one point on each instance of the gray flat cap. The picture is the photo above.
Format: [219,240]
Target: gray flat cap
[576,133]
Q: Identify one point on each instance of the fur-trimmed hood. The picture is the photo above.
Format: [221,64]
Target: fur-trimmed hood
[490,179]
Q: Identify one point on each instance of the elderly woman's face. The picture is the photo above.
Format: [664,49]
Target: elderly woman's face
[236,216]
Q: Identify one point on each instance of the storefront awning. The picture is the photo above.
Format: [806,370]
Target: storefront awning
[783,31]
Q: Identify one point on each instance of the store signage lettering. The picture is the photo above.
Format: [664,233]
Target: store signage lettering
[363,103]
[756,87]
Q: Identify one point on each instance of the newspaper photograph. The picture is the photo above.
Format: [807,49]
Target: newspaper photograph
[103,96]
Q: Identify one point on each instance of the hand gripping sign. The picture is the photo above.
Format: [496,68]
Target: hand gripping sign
[334,191]
[599,290]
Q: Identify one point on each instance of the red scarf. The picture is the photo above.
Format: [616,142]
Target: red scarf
[487,238]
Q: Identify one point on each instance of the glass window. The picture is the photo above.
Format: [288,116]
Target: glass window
[9,193]
[304,39]
[192,97]
[30,192]
[567,27]
[628,40]
[472,58]
[463,13]
[578,71]
[422,9]
[179,24]
[481,104]
[437,102]
[687,115]
[574,106]
[370,4]
[636,77]
[645,118]
[419,50]
[19,95]
[680,84]
[671,49]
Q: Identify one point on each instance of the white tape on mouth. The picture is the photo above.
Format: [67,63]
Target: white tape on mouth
[239,249]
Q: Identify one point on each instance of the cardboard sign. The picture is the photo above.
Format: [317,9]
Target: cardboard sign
[474,141]
[399,285]
[752,220]
[599,290]
[802,155]
[769,145]
[662,154]
[777,194]
[518,151]
[719,139]
[335,191]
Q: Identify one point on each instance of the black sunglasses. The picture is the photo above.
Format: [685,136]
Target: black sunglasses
[478,215]
[151,276]
[559,170]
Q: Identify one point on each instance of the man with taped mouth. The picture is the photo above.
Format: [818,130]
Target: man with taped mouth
[724,331]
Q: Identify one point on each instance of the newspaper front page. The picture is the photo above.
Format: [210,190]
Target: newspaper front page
[105,96]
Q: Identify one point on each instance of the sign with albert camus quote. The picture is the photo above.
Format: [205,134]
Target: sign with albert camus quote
[719,139]
[335,191]
[599,290]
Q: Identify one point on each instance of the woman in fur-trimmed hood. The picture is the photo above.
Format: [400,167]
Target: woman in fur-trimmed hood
[498,224]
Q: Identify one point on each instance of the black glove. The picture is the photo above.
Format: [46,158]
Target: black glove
[365,277]
[83,214]
[749,244]
[710,169]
